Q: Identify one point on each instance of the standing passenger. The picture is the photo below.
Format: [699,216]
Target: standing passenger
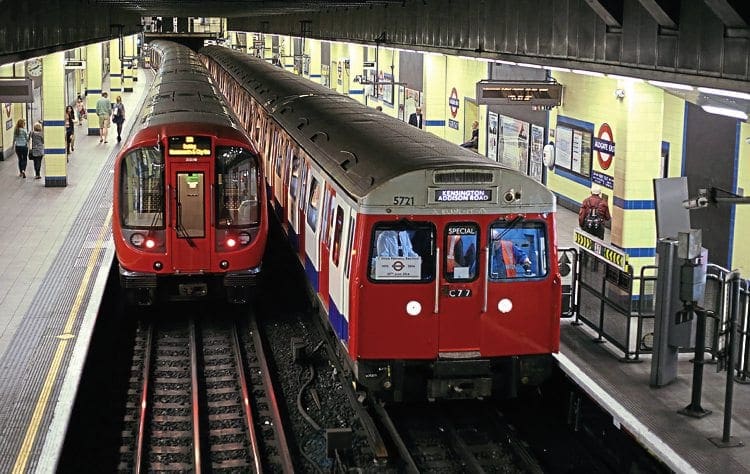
[118,116]
[103,111]
[70,121]
[81,106]
[21,142]
[416,118]
[37,148]
[594,212]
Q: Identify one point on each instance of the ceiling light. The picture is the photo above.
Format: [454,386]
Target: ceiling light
[671,85]
[555,68]
[588,73]
[534,66]
[736,95]
[625,78]
[712,109]
[502,61]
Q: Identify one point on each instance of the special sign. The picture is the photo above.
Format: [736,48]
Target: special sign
[593,245]
[605,146]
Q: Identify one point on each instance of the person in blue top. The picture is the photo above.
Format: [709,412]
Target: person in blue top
[505,256]
[21,143]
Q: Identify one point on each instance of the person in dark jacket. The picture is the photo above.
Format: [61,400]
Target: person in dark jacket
[70,123]
[118,116]
[473,142]
[594,212]
[37,149]
[416,118]
[21,144]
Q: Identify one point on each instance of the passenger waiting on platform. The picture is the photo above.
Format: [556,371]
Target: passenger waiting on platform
[103,111]
[81,110]
[21,142]
[473,142]
[594,213]
[118,116]
[70,121]
[416,118]
[37,149]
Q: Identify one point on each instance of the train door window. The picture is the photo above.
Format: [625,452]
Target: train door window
[302,182]
[236,187]
[191,210]
[142,189]
[327,211]
[294,181]
[279,152]
[313,203]
[337,235]
[461,256]
[518,249]
[349,242]
[402,251]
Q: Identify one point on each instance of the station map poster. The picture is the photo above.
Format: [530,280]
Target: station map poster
[492,120]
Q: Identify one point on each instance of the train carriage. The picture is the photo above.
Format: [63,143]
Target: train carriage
[190,219]
[436,267]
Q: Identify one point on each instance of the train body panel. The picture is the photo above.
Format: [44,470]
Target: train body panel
[436,268]
[190,218]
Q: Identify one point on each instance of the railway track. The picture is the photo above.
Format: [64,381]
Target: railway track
[464,436]
[201,399]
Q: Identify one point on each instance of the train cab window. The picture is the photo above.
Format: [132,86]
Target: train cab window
[236,187]
[461,255]
[313,204]
[142,189]
[402,251]
[518,249]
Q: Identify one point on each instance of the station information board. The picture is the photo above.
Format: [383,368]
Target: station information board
[535,93]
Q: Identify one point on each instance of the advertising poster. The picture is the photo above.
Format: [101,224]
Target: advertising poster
[536,165]
[513,146]
[563,147]
[575,164]
[492,136]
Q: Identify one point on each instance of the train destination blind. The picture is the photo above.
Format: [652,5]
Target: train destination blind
[189,146]
[462,195]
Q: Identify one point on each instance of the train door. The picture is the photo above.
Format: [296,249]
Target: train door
[190,241]
[293,172]
[312,227]
[344,220]
[459,300]
[329,201]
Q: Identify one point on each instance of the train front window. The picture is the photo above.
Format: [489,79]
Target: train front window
[236,187]
[461,254]
[518,249]
[142,189]
[402,251]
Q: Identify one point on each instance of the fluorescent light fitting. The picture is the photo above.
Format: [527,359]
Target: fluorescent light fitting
[555,68]
[588,73]
[736,95]
[712,109]
[671,85]
[502,61]
[625,78]
[534,66]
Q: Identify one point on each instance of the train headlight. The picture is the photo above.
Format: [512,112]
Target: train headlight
[150,243]
[224,264]
[244,238]
[137,239]
[231,243]
[413,308]
[505,305]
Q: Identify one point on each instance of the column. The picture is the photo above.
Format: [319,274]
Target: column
[434,102]
[53,106]
[314,52]
[94,54]
[129,72]
[115,68]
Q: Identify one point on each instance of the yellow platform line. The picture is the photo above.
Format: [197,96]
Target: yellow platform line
[54,370]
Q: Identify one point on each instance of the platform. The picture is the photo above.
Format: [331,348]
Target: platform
[55,255]
[650,414]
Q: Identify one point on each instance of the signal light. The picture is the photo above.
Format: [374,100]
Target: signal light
[231,243]
[150,243]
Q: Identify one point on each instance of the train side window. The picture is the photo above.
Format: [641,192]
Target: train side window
[461,255]
[337,235]
[402,251]
[313,203]
[518,250]
[236,187]
[294,181]
[142,189]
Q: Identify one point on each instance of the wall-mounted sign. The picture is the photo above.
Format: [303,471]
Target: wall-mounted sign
[16,90]
[368,64]
[604,145]
[453,124]
[75,64]
[453,102]
[543,94]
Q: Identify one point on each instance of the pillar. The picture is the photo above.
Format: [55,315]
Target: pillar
[94,54]
[53,107]
[129,71]
[115,68]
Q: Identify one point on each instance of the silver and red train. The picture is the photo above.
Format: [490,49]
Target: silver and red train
[407,240]
[190,215]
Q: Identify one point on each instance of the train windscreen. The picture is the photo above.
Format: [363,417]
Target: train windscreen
[518,250]
[236,187]
[142,189]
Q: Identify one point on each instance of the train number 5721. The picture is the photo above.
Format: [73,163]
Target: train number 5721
[403,200]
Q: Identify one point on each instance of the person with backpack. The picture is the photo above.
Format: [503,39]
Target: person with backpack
[594,213]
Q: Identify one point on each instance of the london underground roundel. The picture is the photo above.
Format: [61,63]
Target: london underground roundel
[453,102]
[605,146]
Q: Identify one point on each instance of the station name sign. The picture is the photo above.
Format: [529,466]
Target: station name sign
[189,146]
[535,93]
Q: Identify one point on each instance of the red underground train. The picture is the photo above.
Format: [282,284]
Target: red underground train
[190,214]
[435,268]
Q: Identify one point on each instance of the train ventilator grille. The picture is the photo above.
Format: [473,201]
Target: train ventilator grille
[463,177]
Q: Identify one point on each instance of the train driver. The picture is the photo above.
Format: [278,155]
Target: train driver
[504,258]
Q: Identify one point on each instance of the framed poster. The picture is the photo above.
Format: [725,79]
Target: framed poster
[388,88]
[573,149]
[513,144]
[492,120]
[536,165]
[563,147]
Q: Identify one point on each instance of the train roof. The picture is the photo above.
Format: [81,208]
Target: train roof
[362,149]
